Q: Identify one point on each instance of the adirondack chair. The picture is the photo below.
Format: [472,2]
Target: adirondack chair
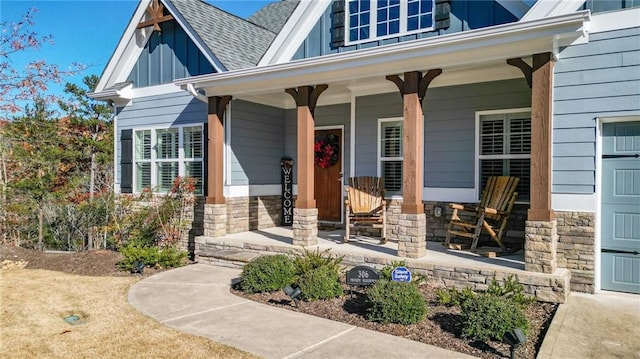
[490,215]
[365,205]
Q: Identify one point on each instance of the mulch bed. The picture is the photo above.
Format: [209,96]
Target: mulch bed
[441,328]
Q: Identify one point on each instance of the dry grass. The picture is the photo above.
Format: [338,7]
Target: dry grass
[33,304]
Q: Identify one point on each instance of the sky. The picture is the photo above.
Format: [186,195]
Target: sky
[87,31]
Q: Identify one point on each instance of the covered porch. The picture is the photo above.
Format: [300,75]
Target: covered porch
[441,266]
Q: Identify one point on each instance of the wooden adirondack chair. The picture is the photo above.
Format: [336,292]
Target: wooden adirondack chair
[365,205]
[490,215]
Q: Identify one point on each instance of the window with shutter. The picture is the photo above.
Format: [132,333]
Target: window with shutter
[505,147]
[163,154]
[390,155]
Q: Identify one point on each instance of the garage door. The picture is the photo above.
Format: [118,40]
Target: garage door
[620,210]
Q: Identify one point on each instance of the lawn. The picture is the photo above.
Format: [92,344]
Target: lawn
[34,303]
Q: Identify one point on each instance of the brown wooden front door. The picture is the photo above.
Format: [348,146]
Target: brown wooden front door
[327,174]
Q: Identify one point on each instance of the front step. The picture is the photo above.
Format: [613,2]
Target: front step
[226,257]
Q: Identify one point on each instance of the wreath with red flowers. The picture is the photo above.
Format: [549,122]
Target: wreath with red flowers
[326,151]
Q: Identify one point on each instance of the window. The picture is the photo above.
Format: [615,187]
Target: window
[163,154]
[369,20]
[505,147]
[390,155]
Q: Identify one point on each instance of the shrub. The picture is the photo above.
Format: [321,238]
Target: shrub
[486,316]
[317,274]
[320,283]
[395,302]
[453,296]
[510,289]
[267,274]
[151,257]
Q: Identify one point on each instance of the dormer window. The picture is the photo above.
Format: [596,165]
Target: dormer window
[369,20]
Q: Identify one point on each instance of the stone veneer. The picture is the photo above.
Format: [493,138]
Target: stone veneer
[215,220]
[305,226]
[412,236]
[541,246]
[546,287]
[251,213]
[576,248]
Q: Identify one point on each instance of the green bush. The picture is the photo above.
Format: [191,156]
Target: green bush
[487,316]
[395,302]
[511,290]
[267,274]
[307,261]
[453,296]
[320,283]
[151,257]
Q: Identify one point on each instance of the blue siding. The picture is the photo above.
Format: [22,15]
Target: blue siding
[449,127]
[257,146]
[465,15]
[332,115]
[597,79]
[168,55]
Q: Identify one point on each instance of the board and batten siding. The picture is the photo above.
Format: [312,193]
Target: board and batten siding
[257,143]
[161,111]
[168,55]
[330,115]
[464,16]
[598,79]
[449,127]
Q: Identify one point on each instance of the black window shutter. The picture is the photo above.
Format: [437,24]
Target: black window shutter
[126,161]
[443,9]
[337,24]
[205,160]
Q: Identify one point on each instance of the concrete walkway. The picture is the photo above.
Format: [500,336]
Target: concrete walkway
[604,325]
[196,299]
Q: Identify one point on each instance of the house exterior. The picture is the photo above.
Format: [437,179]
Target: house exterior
[433,95]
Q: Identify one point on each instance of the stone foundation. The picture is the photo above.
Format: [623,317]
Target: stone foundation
[215,220]
[541,246]
[305,226]
[412,236]
[546,287]
[576,248]
[251,213]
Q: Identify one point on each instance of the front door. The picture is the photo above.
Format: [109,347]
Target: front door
[327,172]
[620,209]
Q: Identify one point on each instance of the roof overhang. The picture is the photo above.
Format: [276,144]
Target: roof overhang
[120,93]
[448,52]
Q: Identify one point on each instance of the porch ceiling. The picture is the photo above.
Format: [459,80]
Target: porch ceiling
[466,57]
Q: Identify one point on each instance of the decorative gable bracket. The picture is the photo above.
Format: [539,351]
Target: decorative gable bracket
[156,12]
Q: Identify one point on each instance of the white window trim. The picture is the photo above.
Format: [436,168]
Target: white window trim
[478,157]
[373,23]
[154,156]
[379,148]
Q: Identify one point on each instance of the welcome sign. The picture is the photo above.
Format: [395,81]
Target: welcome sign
[286,165]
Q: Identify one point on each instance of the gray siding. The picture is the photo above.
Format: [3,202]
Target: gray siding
[597,79]
[449,127]
[465,15]
[257,143]
[168,55]
[332,115]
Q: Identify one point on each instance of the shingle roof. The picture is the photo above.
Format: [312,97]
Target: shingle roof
[236,42]
[274,15]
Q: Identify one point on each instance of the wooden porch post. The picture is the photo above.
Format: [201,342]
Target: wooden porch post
[413,226]
[541,229]
[541,132]
[215,148]
[305,214]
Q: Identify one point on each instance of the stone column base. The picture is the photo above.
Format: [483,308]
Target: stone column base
[305,226]
[215,220]
[412,235]
[541,246]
